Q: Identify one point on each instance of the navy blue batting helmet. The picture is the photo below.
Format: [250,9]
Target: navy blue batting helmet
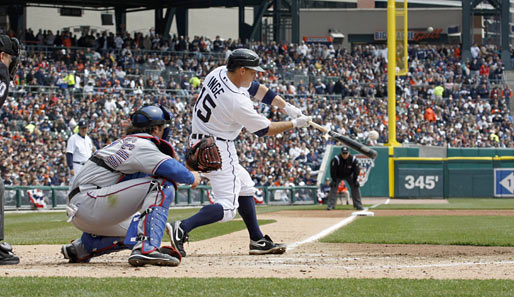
[82,124]
[150,115]
[243,57]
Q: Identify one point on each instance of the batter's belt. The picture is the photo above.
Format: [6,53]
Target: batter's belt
[200,136]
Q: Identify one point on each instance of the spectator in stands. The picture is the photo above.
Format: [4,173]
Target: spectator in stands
[353,81]
[324,191]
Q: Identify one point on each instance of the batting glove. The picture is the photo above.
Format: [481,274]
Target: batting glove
[302,121]
[292,111]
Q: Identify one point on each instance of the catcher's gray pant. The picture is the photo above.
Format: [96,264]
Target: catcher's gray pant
[108,211]
[2,190]
[354,189]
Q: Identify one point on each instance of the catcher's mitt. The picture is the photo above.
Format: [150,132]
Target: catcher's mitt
[204,156]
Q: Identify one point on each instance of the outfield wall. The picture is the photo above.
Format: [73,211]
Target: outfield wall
[466,172]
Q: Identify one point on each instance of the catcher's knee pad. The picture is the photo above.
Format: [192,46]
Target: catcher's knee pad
[168,191]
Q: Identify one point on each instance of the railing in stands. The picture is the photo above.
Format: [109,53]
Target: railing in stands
[17,198]
[48,49]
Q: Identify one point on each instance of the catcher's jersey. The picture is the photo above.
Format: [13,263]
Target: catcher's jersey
[126,155]
[222,109]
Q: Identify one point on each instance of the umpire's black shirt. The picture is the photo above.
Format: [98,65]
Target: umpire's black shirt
[344,168]
[4,83]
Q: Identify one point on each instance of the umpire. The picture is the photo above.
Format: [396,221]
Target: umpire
[345,167]
[9,59]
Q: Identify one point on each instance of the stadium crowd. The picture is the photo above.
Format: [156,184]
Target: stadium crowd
[103,78]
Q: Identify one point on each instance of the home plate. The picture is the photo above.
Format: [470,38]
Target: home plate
[366,213]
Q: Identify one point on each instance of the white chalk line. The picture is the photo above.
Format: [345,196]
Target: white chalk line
[331,229]
[357,267]
[323,233]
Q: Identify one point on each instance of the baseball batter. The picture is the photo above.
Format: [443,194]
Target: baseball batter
[9,60]
[222,109]
[78,149]
[136,173]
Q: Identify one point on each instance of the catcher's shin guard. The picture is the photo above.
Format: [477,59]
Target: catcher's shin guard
[131,236]
[153,221]
[88,246]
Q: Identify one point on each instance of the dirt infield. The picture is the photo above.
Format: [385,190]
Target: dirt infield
[227,256]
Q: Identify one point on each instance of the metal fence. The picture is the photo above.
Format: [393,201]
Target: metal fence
[17,198]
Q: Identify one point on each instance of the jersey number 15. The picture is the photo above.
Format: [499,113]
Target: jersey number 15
[203,110]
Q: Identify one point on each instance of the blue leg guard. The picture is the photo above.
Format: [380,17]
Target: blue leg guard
[131,237]
[89,246]
[151,228]
[101,245]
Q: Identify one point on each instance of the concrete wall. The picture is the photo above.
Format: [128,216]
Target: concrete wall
[367,21]
[203,22]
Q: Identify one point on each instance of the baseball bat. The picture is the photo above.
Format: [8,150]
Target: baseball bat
[361,148]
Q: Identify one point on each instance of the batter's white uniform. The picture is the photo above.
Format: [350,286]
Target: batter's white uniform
[81,148]
[222,110]
[104,204]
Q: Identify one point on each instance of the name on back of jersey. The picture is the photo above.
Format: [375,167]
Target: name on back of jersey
[115,160]
[215,87]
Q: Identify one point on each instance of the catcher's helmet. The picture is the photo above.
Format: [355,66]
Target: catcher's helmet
[243,57]
[150,115]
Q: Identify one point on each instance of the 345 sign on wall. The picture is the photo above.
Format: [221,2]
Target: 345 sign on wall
[412,182]
[422,182]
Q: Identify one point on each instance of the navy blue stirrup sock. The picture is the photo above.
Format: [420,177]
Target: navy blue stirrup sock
[207,215]
[247,212]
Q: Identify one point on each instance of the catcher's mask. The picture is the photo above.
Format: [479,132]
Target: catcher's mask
[12,47]
[152,115]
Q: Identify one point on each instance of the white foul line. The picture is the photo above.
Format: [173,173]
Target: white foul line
[330,229]
[323,233]
[378,204]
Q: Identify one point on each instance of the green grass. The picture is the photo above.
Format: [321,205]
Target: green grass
[51,227]
[457,203]
[260,287]
[446,230]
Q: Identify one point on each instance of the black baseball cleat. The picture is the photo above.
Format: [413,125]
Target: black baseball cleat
[137,258]
[69,251]
[7,257]
[177,236]
[266,246]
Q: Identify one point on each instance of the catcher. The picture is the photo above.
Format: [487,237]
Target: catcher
[222,109]
[136,174]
